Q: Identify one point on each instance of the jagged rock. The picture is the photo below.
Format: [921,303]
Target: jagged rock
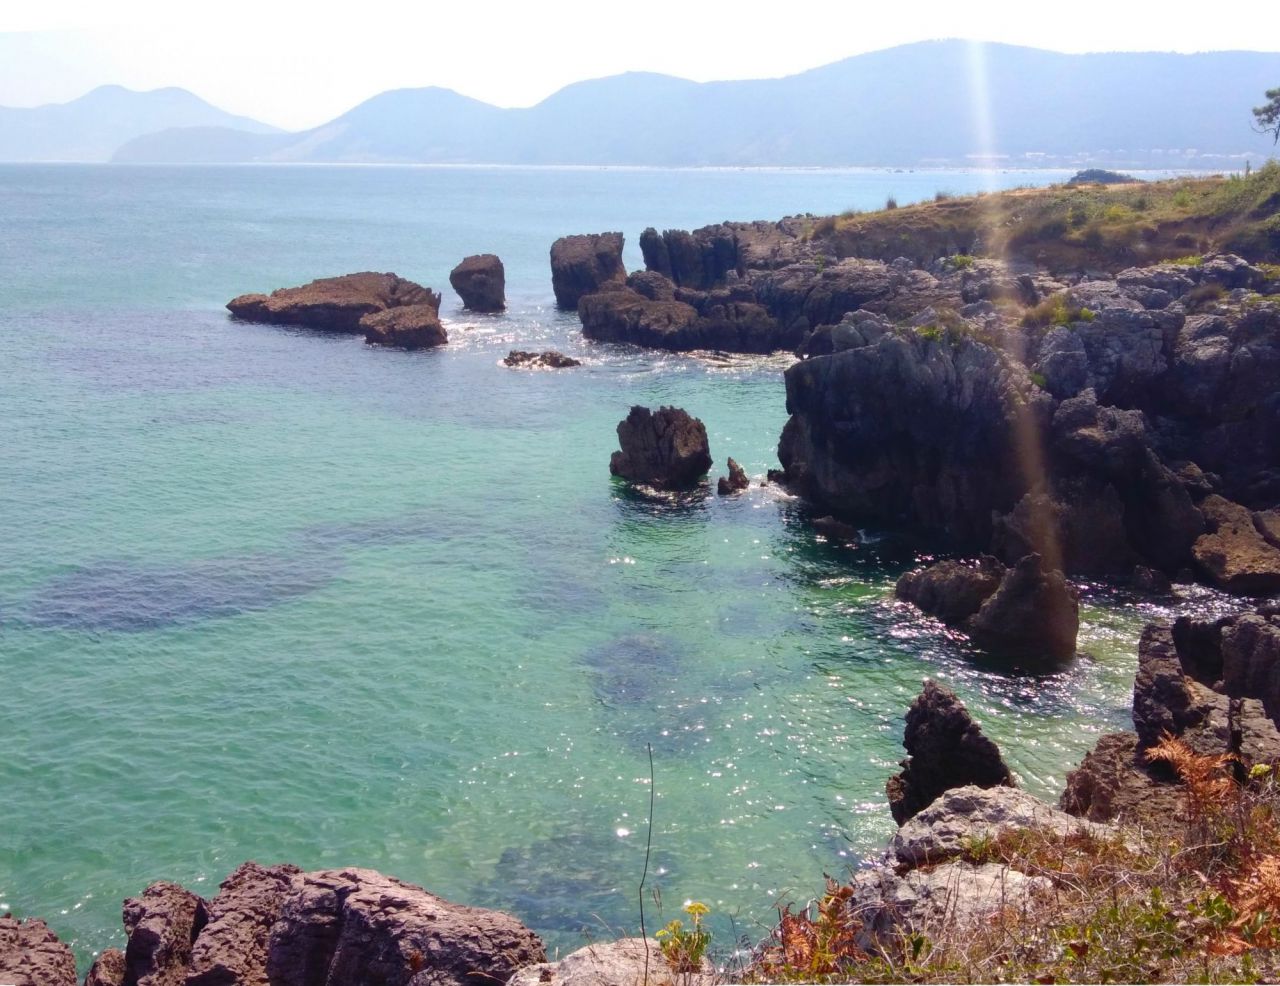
[615,963]
[32,955]
[952,591]
[701,259]
[1250,660]
[945,749]
[809,294]
[1033,614]
[735,482]
[1235,554]
[628,316]
[582,265]
[481,283]
[232,948]
[1113,783]
[107,970]
[333,304]
[162,926]
[367,929]
[666,449]
[963,816]
[407,327]
[549,359]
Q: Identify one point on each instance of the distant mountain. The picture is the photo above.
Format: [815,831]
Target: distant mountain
[92,127]
[949,103]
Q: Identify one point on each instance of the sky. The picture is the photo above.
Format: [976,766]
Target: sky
[296,65]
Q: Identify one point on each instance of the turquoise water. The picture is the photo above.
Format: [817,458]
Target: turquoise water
[269,594]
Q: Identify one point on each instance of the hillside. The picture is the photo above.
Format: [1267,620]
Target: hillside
[937,103]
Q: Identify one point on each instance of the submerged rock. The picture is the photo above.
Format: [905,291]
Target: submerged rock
[333,304]
[32,955]
[945,749]
[481,283]
[408,327]
[549,360]
[666,449]
[735,482]
[582,265]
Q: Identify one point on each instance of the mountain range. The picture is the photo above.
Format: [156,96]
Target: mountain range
[946,103]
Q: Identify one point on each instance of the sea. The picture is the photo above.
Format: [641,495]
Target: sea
[272,594]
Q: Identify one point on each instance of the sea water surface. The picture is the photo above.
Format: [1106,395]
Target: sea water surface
[272,594]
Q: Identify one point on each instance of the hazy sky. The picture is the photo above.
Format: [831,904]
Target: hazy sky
[298,64]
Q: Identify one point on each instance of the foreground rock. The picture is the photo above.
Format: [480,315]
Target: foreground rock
[481,283]
[279,925]
[582,265]
[945,749]
[1240,552]
[617,963]
[548,360]
[666,449]
[32,955]
[333,304]
[735,482]
[407,327]
[1023,611]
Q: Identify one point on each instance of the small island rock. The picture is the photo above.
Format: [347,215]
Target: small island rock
[666,449]
[548,359]
[582,265]
[481,283]
[333,304]
[735,482]
[409,327]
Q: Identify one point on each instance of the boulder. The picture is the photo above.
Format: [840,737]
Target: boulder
[232,948]
[481,283]
[582,265]
[32,955]
[666,449]
[735,482]
[945,749]
[1235,553]
[107,969]
[546,360]
[333,304]
[162,925]
[952,591]
[614,963]
[407,327]
[1033,615]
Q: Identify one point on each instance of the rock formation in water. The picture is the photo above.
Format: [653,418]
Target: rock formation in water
[481,283]
[945,749]
[735,482]
[547,360]
[333,304]
[405,327]
[666,449]
[582,265]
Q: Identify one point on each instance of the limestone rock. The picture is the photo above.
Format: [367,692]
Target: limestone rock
[945,749]
[407,327]
[107,969]
[582,265]
[481,283]
[952,591]
[32,955]
[1235,553]
[333,304]
[666,449]
[1112,783]
[735,482]
[547,360]
[232,948]
[162,925]
[1033,614]
[615,963]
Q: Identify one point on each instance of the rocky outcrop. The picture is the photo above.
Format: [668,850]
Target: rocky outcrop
[280,926]
[1113,783]
[582,265]
[952,591]
[546,360]
[333,304]
[625,962]
[32,955]
[666,449]
[735,482]
[700,260]
[481,283]
[1236,553]
[407,327]
[945,749]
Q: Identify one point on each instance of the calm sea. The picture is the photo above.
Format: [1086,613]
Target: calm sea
[275,595]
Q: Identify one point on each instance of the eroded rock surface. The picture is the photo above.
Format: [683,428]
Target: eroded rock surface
[582,265]
[481,283]
[666,449]
[32,955]
[735,482]
[406,327]
[333,304]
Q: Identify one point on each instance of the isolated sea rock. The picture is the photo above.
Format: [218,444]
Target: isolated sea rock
[162,925]
[945,749]
[613,963]
[481,283]
[407,327]
[735,482]
[547,360]
[32,955]
[333,304]
[952,591]
[666,449]
[582,265]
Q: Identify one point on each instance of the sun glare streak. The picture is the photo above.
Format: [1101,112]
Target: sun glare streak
[1027,440]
